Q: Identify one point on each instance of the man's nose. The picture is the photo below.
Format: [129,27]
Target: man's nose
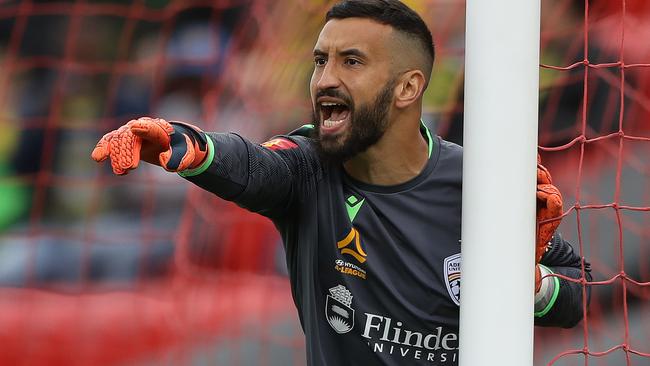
[329,78]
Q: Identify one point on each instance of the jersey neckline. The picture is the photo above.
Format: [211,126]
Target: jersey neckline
[434,152]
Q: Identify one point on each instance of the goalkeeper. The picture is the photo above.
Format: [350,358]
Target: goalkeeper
[367,200]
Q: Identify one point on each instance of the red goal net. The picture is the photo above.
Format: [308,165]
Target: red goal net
[595,134]
[145,269]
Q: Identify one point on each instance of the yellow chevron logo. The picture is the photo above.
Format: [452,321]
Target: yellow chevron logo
[357,252]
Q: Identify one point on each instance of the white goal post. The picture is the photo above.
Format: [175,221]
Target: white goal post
[500,144]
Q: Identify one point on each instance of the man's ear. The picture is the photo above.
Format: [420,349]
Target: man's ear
[409,88]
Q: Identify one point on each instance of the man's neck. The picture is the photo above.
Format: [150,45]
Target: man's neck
[399,156]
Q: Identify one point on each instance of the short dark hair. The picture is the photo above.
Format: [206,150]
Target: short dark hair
[388,12]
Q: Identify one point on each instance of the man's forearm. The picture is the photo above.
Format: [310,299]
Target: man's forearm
[240,171]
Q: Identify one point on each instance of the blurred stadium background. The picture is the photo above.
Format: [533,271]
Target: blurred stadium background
[147,270]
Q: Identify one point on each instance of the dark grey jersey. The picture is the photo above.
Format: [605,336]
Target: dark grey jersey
[374,270]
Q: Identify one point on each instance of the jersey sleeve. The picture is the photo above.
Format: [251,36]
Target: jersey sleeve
[265,179]
[566,308]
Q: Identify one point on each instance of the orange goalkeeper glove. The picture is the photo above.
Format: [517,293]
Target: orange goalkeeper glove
[174,146]
[549,206]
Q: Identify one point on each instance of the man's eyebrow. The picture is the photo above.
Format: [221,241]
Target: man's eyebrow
[347,52]
[353,52]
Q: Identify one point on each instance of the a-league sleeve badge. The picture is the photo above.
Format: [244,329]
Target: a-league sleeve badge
[279,143]
[452,277]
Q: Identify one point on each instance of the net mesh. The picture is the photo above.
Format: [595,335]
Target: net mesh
[146,269]
[598,144]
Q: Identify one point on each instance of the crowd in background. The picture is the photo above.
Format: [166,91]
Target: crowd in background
[68,79]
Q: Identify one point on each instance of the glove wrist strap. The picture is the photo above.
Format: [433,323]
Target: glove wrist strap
[206,162]
[547,295]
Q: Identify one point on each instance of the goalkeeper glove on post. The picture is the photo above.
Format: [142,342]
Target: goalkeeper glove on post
[175,146]
[549,207]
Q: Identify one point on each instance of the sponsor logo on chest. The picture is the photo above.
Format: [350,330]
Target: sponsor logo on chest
[385,335]
[338,309]
[352,255]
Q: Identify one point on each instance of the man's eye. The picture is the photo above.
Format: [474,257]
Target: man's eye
[319,61]
[352,62]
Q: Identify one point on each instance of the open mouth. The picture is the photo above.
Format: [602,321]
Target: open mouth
[334,114]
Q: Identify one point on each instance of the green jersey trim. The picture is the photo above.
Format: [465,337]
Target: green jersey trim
[429,138]
[304,130]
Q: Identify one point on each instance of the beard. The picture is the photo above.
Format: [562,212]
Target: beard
[368,123]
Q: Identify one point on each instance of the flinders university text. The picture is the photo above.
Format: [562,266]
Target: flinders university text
[388,337]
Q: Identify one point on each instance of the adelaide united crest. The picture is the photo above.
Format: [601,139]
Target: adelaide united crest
[452,277]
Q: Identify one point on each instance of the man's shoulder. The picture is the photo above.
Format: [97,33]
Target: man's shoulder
[305,131]
[450,150]
[449,162]
[301,138]
[450,147]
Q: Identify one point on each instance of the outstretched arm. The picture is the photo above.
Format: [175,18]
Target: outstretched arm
[266,178]
[262,178]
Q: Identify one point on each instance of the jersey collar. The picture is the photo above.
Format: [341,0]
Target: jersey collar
[434,153]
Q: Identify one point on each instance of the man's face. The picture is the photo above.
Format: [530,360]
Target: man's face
[352,86]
